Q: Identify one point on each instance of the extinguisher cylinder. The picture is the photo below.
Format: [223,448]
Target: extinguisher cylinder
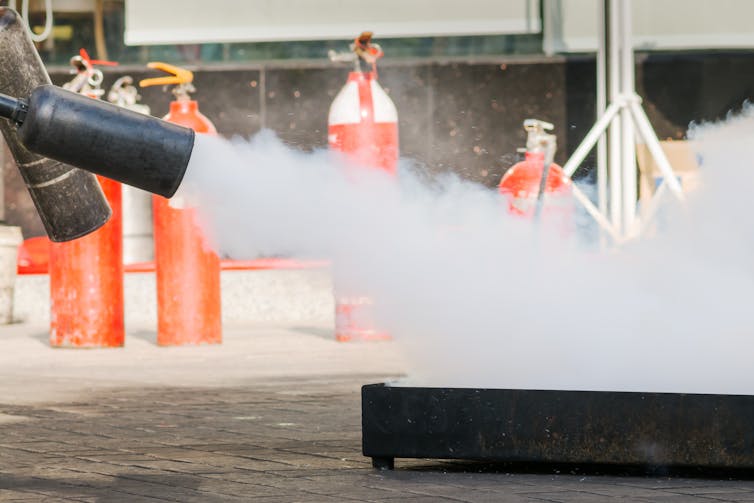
[132,148]
[69,201]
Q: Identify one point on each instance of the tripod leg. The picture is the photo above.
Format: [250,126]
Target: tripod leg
[649,137]
[591,138]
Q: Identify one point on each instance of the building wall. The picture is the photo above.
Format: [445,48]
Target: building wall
[460,116]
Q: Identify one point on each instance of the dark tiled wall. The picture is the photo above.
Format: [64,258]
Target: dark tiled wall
[461,117]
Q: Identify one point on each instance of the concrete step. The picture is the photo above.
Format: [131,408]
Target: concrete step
[261,296]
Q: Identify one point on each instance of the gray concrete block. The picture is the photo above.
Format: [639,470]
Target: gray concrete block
[267,296]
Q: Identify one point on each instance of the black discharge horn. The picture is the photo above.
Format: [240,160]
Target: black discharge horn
[103,138]
[74,131]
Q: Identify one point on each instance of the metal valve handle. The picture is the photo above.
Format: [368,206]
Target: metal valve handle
[88,79]
[180,77]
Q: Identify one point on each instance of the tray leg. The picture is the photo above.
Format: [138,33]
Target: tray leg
[383,463]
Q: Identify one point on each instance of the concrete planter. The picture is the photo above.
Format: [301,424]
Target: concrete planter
[10,239]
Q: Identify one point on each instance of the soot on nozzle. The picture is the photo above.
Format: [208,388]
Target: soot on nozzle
[121,144]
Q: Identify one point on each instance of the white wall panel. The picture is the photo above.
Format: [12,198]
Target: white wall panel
[571,25]
[196,21]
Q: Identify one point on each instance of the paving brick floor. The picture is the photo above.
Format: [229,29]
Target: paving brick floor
[76,426]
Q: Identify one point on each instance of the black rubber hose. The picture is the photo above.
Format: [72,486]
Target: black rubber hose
[13,109]
[8,106]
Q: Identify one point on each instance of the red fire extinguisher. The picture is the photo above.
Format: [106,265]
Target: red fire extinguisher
[362,123]
[536,187]
[86,274]
[188,270]
[138,245]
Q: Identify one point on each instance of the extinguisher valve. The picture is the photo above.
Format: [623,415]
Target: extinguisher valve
[122,92]
[88,79]
[362,49]
[365,49]
[537,139]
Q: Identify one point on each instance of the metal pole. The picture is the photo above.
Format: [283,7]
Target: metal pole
[601,105]
[626,122]
[612,23]
[595,213]
[628,141]
[594,134]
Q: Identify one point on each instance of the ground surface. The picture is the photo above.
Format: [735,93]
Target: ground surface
[271,415]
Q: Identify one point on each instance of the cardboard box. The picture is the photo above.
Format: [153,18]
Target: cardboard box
[682,159]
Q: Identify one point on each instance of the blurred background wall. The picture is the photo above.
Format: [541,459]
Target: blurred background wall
[461,99]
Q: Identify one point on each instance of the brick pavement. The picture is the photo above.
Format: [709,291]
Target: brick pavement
[252,435]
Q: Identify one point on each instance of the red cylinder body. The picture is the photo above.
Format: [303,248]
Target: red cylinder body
[86,283]
[362,123]
[520,184]
[188,270]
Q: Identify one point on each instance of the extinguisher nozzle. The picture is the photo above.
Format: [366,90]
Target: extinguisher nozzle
[132,148]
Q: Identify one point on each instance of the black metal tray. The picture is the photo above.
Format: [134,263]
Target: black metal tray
[559,427]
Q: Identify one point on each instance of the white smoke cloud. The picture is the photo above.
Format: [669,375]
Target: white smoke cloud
[480,298]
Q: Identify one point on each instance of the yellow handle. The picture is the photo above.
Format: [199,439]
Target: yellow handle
[178,75]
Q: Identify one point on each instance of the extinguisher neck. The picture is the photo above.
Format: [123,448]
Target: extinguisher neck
[538,139]
[183,106]
[182,92]
[361,76]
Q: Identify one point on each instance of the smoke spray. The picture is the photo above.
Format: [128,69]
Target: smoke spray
[485,299]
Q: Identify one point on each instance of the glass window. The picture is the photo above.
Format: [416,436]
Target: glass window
[74,30]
